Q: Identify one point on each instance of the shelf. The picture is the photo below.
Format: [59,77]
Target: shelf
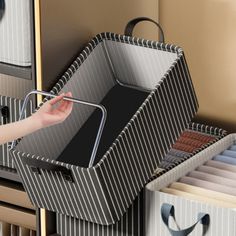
[9,173]
[16,71]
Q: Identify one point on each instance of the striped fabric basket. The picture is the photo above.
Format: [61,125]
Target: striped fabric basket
[10,112]
[15,34]
[132,222]
[217,206]
[147,91]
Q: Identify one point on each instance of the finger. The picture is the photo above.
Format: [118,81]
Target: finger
[68,108]
[68,94]
[56,99]
[64,104]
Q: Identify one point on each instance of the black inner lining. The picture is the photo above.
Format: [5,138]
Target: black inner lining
[121,104]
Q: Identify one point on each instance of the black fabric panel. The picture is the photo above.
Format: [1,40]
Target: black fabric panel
[121,103]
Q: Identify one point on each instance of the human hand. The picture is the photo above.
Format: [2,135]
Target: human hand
[48,114]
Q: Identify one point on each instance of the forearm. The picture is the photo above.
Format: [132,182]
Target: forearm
[18,129]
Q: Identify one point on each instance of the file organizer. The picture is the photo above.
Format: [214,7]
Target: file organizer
[132,222]
[15,47]
[10,112]
[221,219]
[159,104]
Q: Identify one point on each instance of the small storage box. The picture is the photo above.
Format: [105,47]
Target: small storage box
[147,91]
[221,220]
[15,33]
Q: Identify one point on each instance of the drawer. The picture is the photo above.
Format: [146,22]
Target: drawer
[13,193]
[15,33]
[18,216]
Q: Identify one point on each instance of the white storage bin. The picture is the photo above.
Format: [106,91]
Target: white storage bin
[15,34]
[221,219]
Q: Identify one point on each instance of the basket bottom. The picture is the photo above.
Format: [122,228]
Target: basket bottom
[121,104]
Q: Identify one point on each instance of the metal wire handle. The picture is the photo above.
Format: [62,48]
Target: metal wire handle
[101,126]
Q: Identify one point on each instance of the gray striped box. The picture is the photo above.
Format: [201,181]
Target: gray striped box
[103,193]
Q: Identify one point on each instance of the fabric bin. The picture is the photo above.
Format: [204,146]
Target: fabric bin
[144,83]
[9,112]
[221,219]
[15,33]
[132,222]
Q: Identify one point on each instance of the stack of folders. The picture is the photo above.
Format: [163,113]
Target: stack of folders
[7,229]
[214,182]
[188,143]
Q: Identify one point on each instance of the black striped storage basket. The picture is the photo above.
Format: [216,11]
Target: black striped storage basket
[132,222]
[149,96]
[12,107]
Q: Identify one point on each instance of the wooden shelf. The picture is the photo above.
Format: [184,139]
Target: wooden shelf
[10,174]
[16,71]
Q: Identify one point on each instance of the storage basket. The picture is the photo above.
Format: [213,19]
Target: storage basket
[147,91]
[15,33]
[10,112]
[221,219]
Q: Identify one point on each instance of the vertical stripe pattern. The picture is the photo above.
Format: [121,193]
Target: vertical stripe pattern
[130,224]
[103,193]
[15,33]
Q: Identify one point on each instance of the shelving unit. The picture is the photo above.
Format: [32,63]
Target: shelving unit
[10,174]
[58,33]
[16,71]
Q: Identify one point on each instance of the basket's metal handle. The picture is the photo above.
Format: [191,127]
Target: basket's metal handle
[101,126]
[131,24]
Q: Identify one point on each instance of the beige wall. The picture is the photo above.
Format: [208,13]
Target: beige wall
[68,25]
[206,31]
[204,28]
